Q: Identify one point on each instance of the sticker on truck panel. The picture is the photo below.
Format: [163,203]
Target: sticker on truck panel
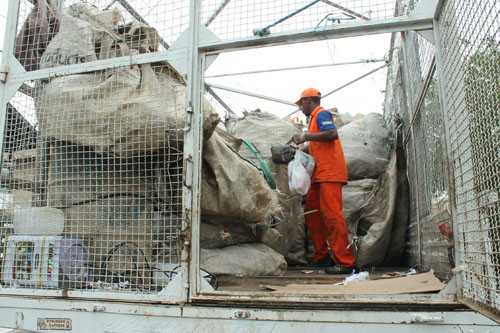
[61,324]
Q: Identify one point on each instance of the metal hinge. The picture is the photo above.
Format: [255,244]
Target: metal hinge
[3,73]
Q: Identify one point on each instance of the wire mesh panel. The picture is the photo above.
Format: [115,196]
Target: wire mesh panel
[471,51]
[412,104]
[241,18]
[92,162]
[52,33]
[436,248]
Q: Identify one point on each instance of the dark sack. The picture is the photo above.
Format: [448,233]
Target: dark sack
[282,154]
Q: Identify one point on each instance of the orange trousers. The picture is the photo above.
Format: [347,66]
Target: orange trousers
[327,224]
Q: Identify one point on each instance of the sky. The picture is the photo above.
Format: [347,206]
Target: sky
[363,97]
[3,17]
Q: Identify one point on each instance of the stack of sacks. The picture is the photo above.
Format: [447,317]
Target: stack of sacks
[238,207]
[116,153]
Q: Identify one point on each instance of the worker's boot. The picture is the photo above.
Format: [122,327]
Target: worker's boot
[326,262]
[339,270]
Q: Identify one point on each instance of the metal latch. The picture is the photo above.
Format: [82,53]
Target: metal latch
[3,73]
[426,319]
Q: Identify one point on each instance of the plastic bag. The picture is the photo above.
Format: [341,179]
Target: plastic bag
[300,170]
[282,154]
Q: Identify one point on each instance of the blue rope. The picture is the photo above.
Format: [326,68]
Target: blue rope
[265,30]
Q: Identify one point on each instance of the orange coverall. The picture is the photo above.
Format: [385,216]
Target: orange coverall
[325,195]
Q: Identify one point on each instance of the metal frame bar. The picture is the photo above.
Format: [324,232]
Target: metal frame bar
[345,9]
[218,99]
[355,80]
[296,67]
[421,98]
[8,48]
[193,146]
[113,316]
[407,84]
[396,24]
[21,76]
[277,100]
[217,12]
[86,295]
[448,149]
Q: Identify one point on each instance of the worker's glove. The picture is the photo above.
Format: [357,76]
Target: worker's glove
[299,138]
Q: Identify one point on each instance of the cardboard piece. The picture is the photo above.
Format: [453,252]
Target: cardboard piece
[418,283]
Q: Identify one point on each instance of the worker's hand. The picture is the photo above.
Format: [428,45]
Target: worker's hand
[299,138]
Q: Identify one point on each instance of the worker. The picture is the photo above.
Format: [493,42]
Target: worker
[324,198]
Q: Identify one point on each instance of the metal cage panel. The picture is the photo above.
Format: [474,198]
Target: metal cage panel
[242,19]
[92,164]
[470,36]
[412,105]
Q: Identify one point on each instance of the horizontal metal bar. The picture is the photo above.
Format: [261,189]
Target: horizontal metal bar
[354,300]
[296,67]
[26,293]
[90,66]
[400,23]
[277,100]
[111,313]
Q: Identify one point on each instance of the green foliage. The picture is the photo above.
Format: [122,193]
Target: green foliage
[482,98]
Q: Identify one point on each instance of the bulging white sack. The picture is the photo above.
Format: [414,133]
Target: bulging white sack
[367,144]
[253,259]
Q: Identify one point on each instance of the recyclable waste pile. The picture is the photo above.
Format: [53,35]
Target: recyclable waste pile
[114,141]
[239,204]
[374,199]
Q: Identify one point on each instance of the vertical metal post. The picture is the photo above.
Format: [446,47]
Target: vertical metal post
[192,161]
[448,150]
[411,105]
[8,48]
[60,5]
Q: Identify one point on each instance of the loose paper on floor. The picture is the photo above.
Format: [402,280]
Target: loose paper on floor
[418,283]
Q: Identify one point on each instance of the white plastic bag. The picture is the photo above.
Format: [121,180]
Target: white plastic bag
[300,170]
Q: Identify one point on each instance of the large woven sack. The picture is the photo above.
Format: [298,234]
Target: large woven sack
[41,25]
[355,193]
[123,111]
[246,259]
[219,234]
[372,222]
[232,188]
[367,144]
[78,175]
[265,130]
